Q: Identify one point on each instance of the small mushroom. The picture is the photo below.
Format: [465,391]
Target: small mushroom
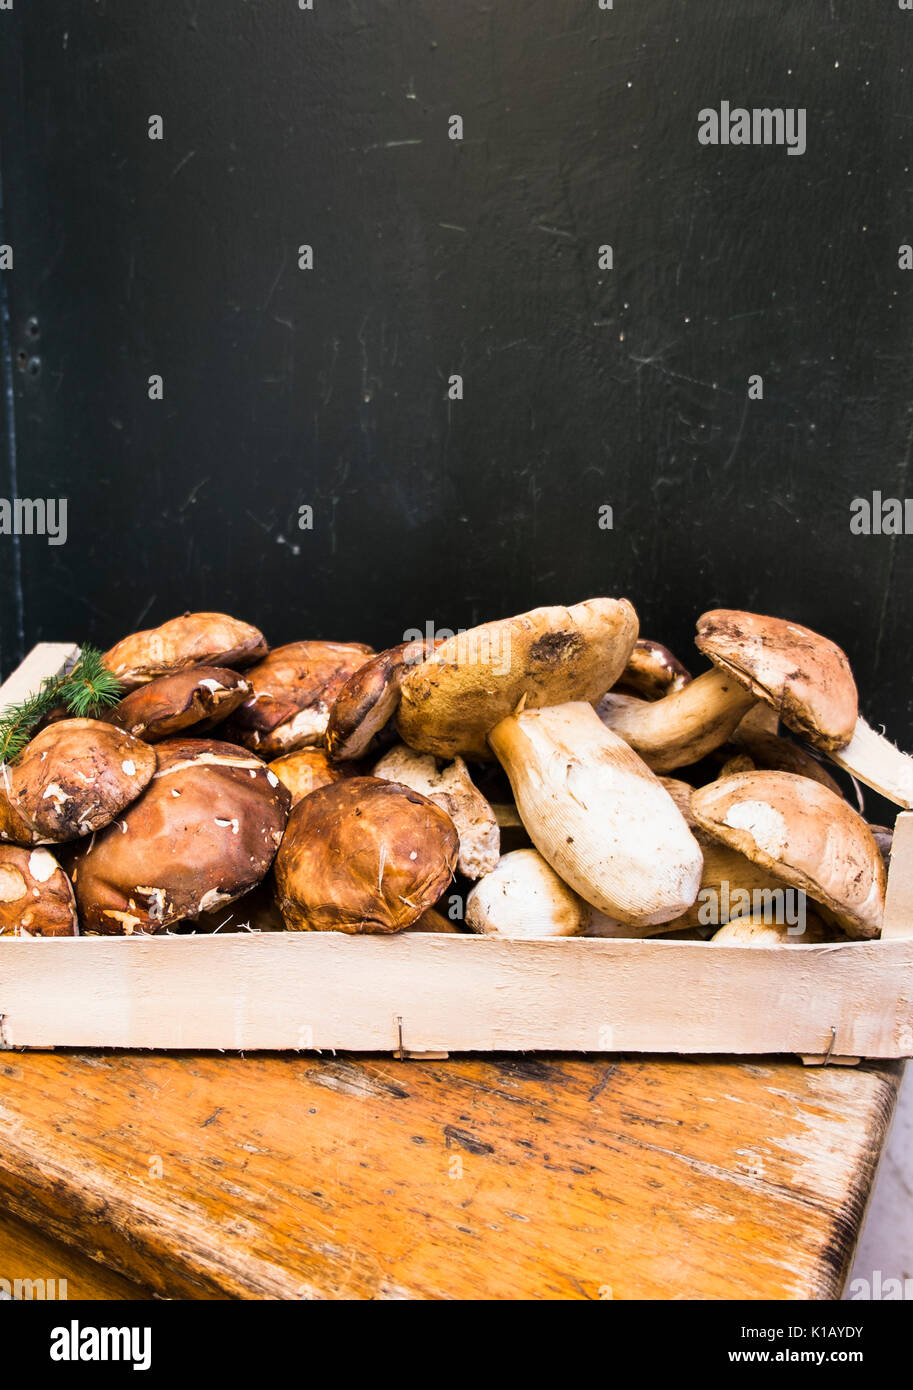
[756,930]
[36,897]
[598,815]
[195,639]
[303,772]
[169,704]
[71,779]
[361,716]
[363,855]
[806,836]
[451,788]
[204,832]
[522,896]
[652,672]
[451,701]
[293,690]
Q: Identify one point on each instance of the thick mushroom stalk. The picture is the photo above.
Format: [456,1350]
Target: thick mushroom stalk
[808,680]
[598,815]
[682,727]
[524,897]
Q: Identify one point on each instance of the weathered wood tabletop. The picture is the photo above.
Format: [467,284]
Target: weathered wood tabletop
[210,1176]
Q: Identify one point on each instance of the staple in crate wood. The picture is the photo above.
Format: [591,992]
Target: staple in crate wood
[425,995]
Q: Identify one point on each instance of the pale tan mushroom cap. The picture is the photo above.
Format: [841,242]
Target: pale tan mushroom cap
[806,677]
[453,699]
[806,836]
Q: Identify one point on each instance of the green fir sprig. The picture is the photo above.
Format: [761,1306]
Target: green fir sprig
[84,692]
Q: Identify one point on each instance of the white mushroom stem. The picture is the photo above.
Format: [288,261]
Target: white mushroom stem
[876,762]
[683,727]
[598,815]
[454,791]
[524,897]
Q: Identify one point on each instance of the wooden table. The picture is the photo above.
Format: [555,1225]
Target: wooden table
[210,1176]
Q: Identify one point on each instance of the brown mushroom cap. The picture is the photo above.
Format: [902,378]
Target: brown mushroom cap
[363,855]
[652,672]
[204,832]
[549,656]
[771,753]
[803,834]
[195,639]
[74,777]
[308,769]
[293,690]
[804,676]
[169,704]
[367,703]
[36,897]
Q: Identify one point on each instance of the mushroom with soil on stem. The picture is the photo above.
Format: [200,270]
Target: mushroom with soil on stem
[451,788]
[454,698]
[597,814]
[804,835]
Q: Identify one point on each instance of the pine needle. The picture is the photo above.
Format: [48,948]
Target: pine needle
[84,692]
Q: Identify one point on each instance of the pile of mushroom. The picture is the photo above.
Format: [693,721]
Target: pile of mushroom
[546,775]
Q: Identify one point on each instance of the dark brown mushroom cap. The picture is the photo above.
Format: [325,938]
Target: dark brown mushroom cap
[293,690]
[169,704]
[806,677]
[308,770]
[195,639]
[367,703]
[75,776]
[652,672]
[363,855]
[36,897]
[204,832]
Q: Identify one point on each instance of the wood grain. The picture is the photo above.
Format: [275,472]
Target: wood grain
[266,1177]
[26,1253]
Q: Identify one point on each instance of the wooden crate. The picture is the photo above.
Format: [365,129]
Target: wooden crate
[426,995]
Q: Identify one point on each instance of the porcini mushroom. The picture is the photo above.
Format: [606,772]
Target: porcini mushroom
[806,836]
[195,639]
[652,672]
[363,855]
[204,832]
[769,752]
[169,704]
[303,772]
[450,702]
[683,726]
[524,897]
[451,788]
[36,897]
[361,717]
[598,815]
[293,690]
[71,779]
[757,930]
[808,680]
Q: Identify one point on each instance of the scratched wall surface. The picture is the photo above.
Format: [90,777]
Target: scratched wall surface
[285,387]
